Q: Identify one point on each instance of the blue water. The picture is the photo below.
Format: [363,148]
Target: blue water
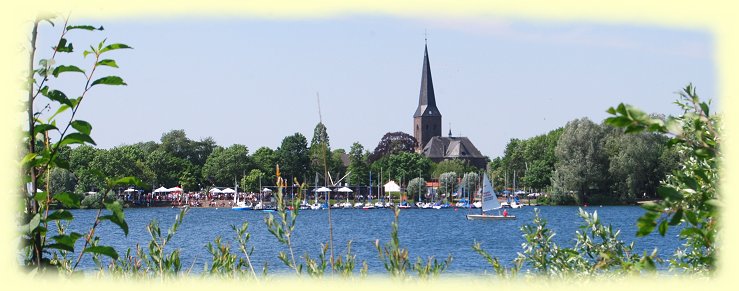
[425,232]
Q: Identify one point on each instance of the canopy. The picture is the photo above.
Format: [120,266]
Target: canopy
[161,189]
[130,190]
[392,187]
[267,190]
[215,190]
[323,189]
[175,189]
[228,190]
[345,189]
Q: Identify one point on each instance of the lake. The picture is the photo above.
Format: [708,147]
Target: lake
[424,232]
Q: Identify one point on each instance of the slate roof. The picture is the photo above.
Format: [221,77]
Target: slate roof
[426,98]
[450,147]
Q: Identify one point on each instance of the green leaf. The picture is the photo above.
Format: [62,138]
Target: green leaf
[103,250]
[43,127]
[663,227]
[60,246]
[68,199]
[690,215]
[60,97]
[61,69]
[82,126]
[85,27]
[704,107]
[117,216]
[76,138]
[109,80]
[28,159]
[62,46]
[67,242]
[677,217]
[114,46]
[645,224]
[33,224]
[108,62]
[126,181]
[41,196]
[60,215]
[669,192]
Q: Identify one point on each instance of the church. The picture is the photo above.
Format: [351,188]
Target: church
[427,128]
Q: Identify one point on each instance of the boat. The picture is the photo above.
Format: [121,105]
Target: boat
[358,205]
[379,204]
[404,205]
[489,202]
[240,205]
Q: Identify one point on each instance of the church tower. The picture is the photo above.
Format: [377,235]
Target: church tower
[427,119]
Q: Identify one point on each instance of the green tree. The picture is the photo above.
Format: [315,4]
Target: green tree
[581,161]
[454,165]
[265,160]
[167,168]
[689,194]
[358,165]
[62,180]
[416,187]
[250,182]
[226,165]
[393,143]
[471,182]
[403,166]
[448,183]
[293,156]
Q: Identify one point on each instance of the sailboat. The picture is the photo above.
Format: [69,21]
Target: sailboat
[489,202]
[240,205]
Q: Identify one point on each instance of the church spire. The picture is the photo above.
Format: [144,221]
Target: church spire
[426,98]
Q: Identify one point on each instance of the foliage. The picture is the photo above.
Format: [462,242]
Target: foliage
[265,160]
[416,187]
[454,165]
[689,194]
[581,160]
[251,181]
[358,165]
[403,166]
[448,183]
[293,156]
[471,182]
[47,139]
[225,166]
[597,251]
[393,143]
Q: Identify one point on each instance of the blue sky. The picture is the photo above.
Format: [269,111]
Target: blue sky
[254,81]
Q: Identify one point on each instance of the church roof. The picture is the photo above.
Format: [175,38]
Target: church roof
[451,147]
[426,98]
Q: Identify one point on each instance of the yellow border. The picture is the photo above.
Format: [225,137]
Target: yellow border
[715,16]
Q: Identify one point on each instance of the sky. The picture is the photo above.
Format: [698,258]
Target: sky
[254,81]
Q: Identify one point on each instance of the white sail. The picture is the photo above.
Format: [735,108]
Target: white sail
[489,201]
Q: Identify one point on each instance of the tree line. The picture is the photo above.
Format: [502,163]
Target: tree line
[585,162]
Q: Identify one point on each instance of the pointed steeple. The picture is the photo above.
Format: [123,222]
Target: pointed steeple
[426,98]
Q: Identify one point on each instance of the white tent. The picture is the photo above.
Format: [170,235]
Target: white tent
[392,187]
[215,190]
[323,189]
[266,190]
[129,190]
[345,189]
[161,189]
[175,189]
[228,191]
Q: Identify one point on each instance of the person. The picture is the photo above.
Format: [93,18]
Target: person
[505,212]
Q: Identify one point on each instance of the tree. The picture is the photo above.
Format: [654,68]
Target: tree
[358,166]
[293,156]
[471,182]
[393,143]
[448,183]
[265,160]
[690,196]
[62,180]
[581,162]
[454,165]
[226,166]
[416,187]
[403,166]
[167,168]
[250,182]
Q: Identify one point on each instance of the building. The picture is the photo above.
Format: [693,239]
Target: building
[427,127]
